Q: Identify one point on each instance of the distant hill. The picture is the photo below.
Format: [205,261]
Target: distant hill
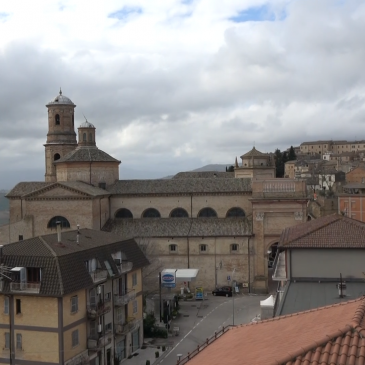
[213,167]
[4,208]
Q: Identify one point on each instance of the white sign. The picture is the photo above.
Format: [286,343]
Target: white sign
[168,279]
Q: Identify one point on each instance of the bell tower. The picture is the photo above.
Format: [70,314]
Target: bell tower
[61,136]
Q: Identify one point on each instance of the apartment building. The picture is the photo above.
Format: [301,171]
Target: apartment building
[315,147]
[71,298]
[337,147]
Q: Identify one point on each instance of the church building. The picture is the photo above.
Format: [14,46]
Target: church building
[217,222]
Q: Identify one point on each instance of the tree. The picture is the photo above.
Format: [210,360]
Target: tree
[230,169]
[150,273]
[278,156]
[292,156]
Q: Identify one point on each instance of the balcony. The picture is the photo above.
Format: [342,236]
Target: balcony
[99,275]
[97,310]
[124,266]
[120,300]
[25,287]
[95,343]
[127,326]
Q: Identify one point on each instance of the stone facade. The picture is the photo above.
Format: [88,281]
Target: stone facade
[246,213]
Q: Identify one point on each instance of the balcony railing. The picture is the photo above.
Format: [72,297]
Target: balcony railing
[97,310]
[99,275]
[95,343]
[125,266]
[127,326]
[26,287]
[123,299]
[279,267]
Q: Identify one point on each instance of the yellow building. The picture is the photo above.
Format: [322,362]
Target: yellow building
[71,298]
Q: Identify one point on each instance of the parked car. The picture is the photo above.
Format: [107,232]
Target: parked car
[225,291]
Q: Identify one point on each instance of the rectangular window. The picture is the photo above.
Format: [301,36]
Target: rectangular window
[234,247]
[19,341]
[75,338]
[134,279]
[135,306]
[120,350]
[119,315]
[93,328]
[203,248]
[18,305]
[108,327]
[74,304]
[6,305]
[7,340]
[20,237]
[173,248]
[108,297]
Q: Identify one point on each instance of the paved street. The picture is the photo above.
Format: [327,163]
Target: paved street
[199,320]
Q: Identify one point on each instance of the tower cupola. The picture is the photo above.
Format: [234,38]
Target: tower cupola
[86,134]
[61,136]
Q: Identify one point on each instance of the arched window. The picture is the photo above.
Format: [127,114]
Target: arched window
[90,137]
[207,213]
[84,137]
[151,213]
[56,157]
[123,213]
[235,212]
[57,119]
[179,213]
[53,222]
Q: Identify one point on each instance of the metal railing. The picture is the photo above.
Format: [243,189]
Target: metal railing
[208,341]
[96,310]
[27,287]
[123,299]
[95,343]
[99,275]
[123,328]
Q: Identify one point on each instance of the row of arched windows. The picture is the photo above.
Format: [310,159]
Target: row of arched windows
[154,213]
[181,213]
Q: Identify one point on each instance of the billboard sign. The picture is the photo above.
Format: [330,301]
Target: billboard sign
[168,279]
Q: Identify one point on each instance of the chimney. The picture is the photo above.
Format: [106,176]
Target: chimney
[58,223]
[341,286]
[78,234]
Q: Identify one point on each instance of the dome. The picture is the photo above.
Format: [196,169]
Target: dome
[86,124]
[61,100]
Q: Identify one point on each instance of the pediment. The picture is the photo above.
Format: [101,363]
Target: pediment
[57,191]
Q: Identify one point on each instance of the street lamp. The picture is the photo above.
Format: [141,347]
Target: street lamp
[234,269]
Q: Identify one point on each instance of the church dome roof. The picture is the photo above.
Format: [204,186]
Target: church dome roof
[86,124]
[61,100]
[254,153]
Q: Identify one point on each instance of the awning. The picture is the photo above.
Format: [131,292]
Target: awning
[183,274]
[268,302]
[16,269]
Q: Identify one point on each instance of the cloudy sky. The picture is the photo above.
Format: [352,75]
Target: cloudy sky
[172,85]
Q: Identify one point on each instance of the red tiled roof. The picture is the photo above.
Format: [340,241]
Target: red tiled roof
[333,335]
[332,231]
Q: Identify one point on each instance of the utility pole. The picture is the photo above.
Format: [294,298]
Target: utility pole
[234,269]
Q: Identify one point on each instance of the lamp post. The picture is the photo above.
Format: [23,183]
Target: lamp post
[234,269]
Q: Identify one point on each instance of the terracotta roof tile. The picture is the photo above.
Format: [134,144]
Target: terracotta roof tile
[334,231]
[327,335]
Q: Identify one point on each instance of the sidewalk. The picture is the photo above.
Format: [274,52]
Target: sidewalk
[150,346]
